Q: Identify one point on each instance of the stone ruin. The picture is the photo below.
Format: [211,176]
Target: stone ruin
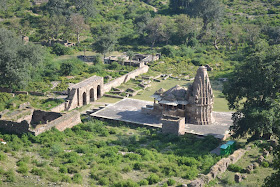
[194,103]
[173,125]
[33,121]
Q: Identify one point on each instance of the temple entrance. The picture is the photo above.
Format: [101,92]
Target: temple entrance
[98,91]
[84,98]
[91,95]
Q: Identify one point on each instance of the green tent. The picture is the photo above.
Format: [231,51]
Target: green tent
[225,149]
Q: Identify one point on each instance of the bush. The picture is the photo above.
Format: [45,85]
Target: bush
[103,181]
[128,183]
[10,176]
[153,179]
[265,164]
[37,171]
[66,178]
[234,168]
[77,178]
[63,169]
[127,169]
[60,49]
[171,182]
[143,182]
[3,157]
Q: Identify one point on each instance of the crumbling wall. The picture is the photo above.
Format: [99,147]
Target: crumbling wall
[123,79]
[219,168]
[59,108]
[14,127]
[67,120]
[42,117]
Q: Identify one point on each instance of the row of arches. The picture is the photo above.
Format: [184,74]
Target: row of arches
[91,95]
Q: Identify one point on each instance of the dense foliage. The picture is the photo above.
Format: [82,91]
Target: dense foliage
[66,156]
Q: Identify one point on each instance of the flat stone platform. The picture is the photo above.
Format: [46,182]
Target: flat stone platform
[129,110]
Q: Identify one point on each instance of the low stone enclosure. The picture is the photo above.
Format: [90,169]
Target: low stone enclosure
[36,121]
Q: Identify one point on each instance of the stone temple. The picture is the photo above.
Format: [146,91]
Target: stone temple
[194,103]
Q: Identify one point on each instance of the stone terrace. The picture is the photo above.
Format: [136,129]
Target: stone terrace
[129,110]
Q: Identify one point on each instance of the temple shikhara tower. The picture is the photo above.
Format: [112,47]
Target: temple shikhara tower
[194,103]
[200,99]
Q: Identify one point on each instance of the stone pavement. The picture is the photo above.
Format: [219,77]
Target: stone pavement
[129,110]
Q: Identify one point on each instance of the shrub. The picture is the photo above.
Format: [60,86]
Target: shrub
[3,156]
[127,169]
[143,182]
[63,169]
[37,171]
[77,178]
[171,182]
[60,49]
[23,169]
[10,176]
[153,179]
[66,178]
[128,183]
[265,164]
[234,168]
[103,181]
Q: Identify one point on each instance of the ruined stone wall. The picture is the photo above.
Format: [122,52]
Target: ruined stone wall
[173,125]
[67,120]
[123,79]
[59,108]
[219,168]
[42,117]
[14,127]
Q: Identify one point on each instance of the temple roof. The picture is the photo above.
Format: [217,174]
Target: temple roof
[174,96]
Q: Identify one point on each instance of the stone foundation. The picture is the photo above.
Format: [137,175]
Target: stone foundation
[173,125]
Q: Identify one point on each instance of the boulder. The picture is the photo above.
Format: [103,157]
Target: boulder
[265,153]
[255,165]
[237,177]
[274,143]
[260,159]
[250,168]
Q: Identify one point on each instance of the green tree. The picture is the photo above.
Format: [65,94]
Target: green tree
[106,37]
[77,25]
[130,54]
[86,7]
[18,62]
[252,90]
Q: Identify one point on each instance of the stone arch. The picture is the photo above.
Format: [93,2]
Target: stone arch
[98,91]
[91,94]
[84,98]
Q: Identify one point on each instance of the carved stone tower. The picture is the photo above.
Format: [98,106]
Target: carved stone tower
[200,106]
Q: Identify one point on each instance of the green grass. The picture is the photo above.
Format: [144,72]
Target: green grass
[93,151]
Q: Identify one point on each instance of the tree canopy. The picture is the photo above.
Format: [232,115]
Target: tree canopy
[17,60]
[252,91]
